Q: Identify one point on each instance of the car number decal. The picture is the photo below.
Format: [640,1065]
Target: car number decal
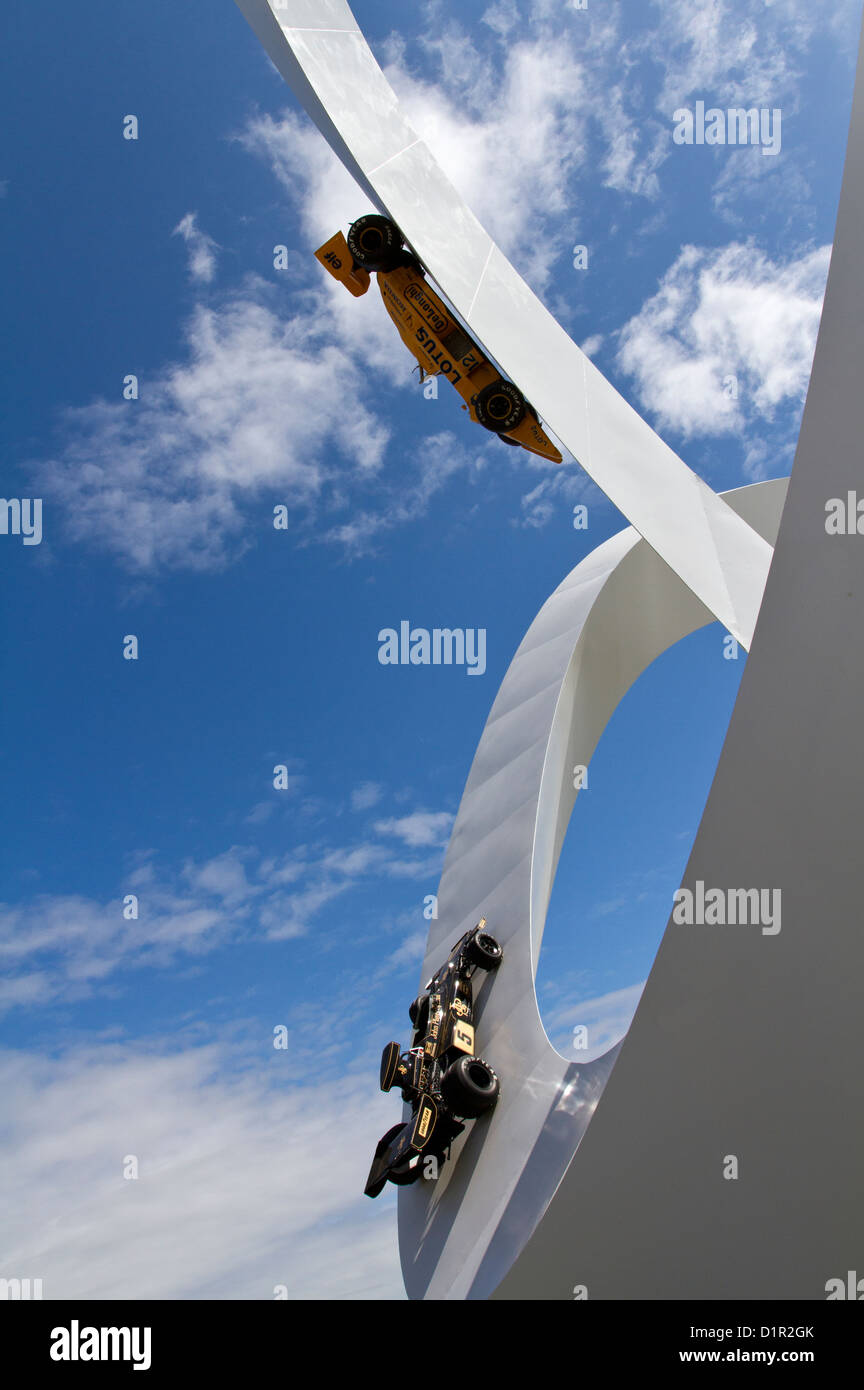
[463,1037]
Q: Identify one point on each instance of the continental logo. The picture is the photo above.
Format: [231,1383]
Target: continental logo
[431,314]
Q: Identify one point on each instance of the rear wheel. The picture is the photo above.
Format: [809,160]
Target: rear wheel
[470,1087]
[375,242]
[500,406]
[418,1012]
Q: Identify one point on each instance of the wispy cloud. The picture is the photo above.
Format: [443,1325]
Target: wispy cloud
[605,1018]
[738,52]
[368,794]
[419,830]
[240,1188]
[259,407]
[201,248]
[69,946]
[727,340]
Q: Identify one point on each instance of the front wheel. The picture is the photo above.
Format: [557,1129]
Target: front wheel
[470,1087]
[500,406]
[375,242]
[484,951]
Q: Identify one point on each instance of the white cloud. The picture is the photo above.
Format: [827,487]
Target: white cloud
[738,52]
[261,405]
[593,344]
[742,53]
[503,17]
[556,494]
[67,946]
[606,1018]
[201,248]
[223,876]
[327,196]
[749,187]
[366,795]
[265,409]
[440,457]
[509,130]
[411,952]
[240,1188]
[727,339]
[422,828]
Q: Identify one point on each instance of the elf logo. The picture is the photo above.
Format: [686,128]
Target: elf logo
[76,1343]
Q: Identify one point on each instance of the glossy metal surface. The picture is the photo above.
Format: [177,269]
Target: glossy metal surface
[320,51]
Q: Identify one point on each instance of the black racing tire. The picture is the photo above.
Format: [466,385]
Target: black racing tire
[375,242]
[500,406]
[470,1087]
[418,1012]
[507,440]
[404,1174]
[484,951]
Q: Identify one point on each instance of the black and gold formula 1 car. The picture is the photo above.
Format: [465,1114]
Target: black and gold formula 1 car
[430,331]
[439,1075]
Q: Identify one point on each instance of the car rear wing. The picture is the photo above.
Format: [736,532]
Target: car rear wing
[335,257]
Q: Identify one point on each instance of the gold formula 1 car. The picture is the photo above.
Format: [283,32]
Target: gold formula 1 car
[430,331]
[440,1076]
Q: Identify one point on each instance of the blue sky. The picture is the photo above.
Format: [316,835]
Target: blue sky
[258,387]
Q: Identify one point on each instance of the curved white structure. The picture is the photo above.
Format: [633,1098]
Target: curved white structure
[319,49]
[609,619]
